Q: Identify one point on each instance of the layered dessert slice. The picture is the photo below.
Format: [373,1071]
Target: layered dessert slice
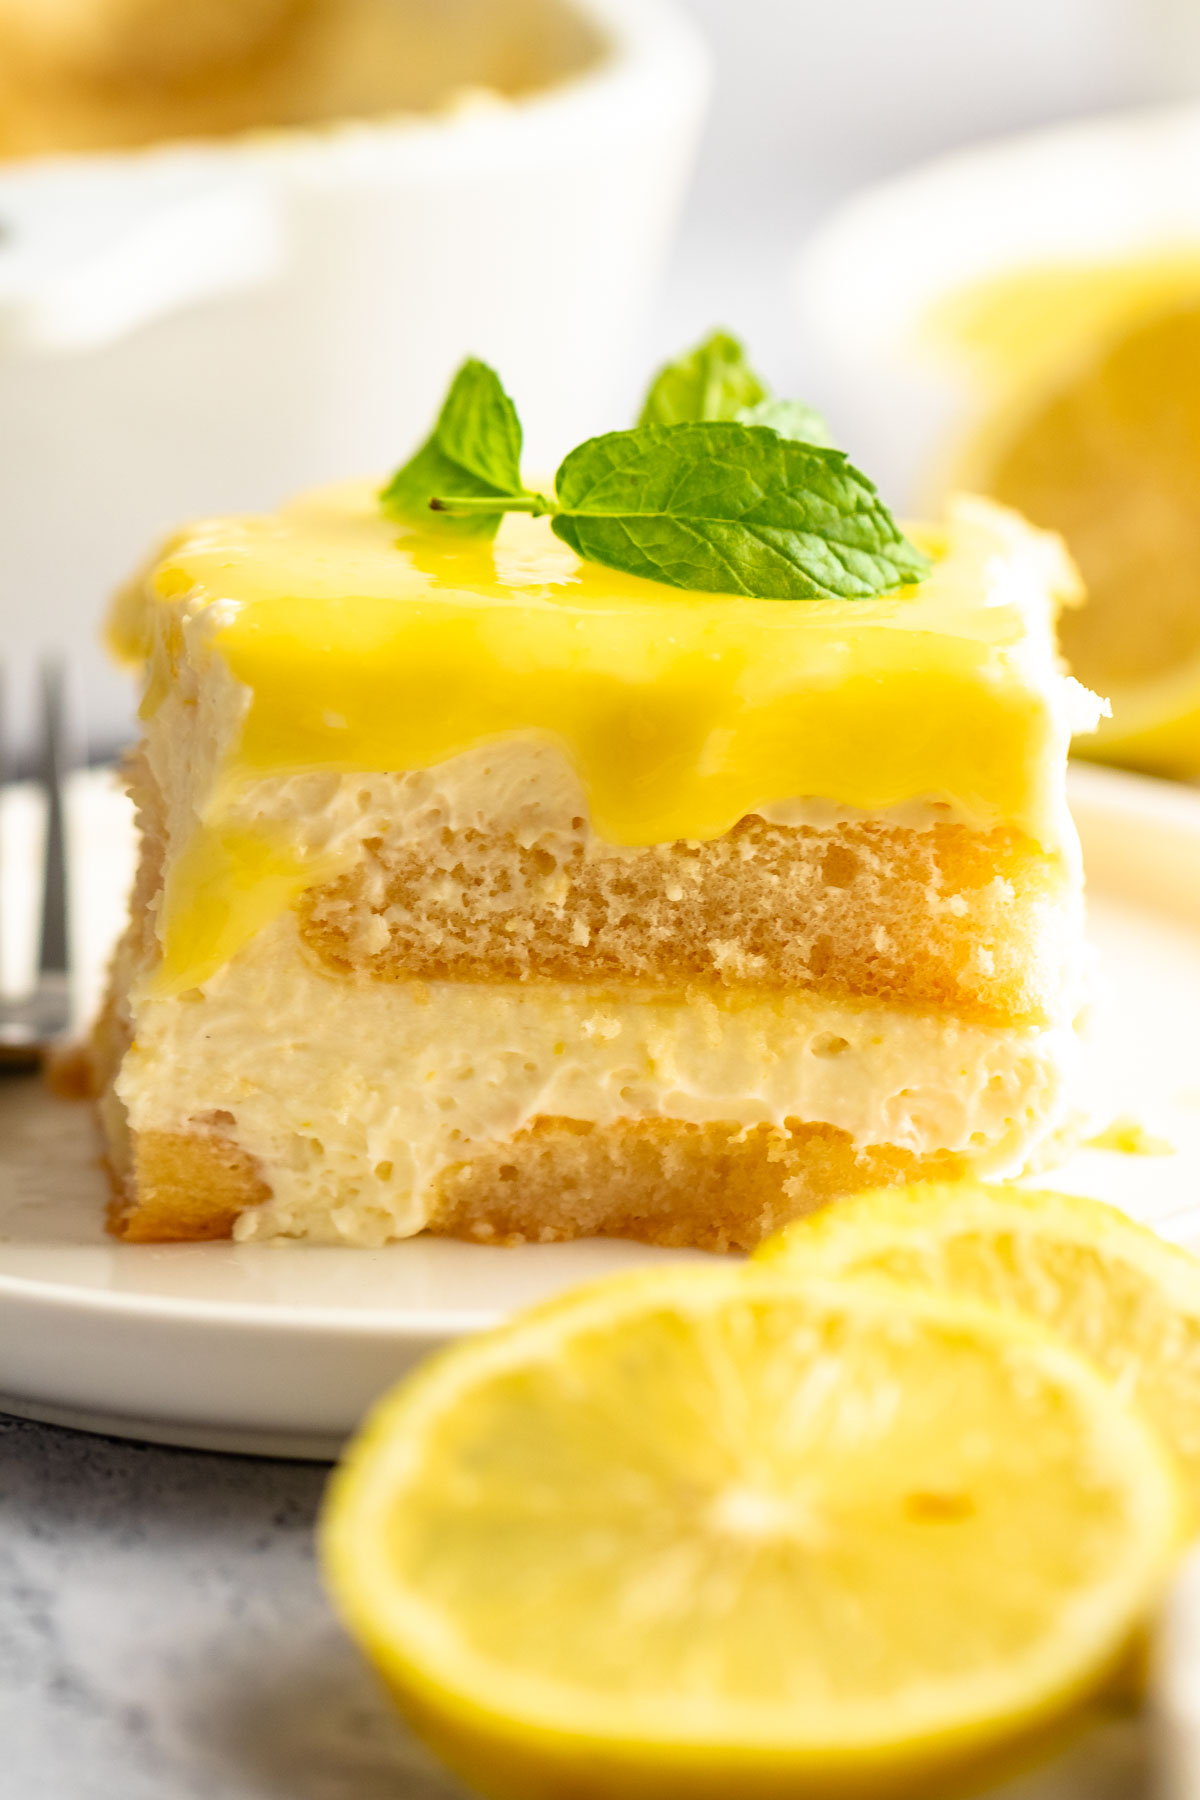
[490,892]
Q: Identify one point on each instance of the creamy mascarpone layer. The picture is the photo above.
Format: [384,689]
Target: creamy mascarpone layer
[354,1096]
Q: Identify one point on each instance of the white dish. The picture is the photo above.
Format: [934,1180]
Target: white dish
[279,1350]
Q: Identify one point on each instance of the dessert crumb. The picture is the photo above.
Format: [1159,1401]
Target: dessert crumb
[1129,1137]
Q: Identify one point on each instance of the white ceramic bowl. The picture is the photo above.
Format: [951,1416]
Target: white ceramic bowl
[1123,188]
[204,327]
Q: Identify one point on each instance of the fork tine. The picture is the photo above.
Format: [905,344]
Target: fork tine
[54,953]
[30,1027]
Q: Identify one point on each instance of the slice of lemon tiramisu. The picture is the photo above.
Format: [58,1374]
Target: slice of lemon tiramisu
[624,869]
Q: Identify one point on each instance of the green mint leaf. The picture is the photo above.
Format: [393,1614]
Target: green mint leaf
[478,428]
[791,419]
[734,493]
[732,509]
[713,381]
[407,496]
[473,453]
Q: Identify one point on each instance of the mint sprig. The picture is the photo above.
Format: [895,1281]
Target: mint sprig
[472,453]
[791,419]
[731,509]
[713,381]
[713,505]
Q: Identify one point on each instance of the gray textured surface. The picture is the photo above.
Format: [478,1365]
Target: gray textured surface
[163,1634]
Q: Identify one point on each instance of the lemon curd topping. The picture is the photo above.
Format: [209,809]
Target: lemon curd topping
[351,645]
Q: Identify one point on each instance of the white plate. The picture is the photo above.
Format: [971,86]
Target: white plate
[278,1351]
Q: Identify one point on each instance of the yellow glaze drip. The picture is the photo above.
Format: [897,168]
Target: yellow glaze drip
[365,648]
[220,891]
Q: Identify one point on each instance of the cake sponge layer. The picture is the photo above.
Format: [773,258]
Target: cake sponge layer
[486,868]
[714,1187]
[982,924]
[660,1181]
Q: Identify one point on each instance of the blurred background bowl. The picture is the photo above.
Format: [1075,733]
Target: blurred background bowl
[201,326]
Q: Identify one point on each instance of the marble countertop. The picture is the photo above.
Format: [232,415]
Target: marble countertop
[163,1636]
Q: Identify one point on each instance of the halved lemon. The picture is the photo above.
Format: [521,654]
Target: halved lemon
[711,1531]
[1109,455]
[1113,1290]
[1038,340]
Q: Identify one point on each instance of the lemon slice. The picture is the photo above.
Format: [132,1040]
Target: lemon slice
[1108,454]
[711,1531]
[1113,1290]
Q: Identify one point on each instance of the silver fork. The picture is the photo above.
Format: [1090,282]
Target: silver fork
[35,1024]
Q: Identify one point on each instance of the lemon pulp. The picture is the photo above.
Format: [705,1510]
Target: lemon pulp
[1091,394]
[706,1526]
[1115,1291]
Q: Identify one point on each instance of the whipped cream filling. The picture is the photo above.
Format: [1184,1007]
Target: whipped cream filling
[521,786]
[354,1096]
